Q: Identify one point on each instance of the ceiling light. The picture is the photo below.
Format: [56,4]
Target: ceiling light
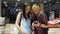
[57,2]
[45,1]
[50,4]
[18,0]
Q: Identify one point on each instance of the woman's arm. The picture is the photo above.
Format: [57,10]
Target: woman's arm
[39,24]
[45,20]
[43,26]
[18,21]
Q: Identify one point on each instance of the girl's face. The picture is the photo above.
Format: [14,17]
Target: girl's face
[36,10]
[27,9]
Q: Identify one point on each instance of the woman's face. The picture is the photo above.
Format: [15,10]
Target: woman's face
[27,9]
[36,10]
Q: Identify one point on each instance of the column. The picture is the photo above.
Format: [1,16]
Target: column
[0,8]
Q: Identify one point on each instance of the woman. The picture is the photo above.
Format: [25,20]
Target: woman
[39,20]
[25,21]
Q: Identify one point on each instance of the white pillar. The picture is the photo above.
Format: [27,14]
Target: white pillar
[0,8]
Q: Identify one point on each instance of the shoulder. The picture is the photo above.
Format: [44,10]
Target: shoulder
[43,13]
[19,13]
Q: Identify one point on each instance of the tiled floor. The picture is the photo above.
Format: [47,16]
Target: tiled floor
[54,31]
[8,29]
[11,29]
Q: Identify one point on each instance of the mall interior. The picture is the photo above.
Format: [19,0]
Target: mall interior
[50,7]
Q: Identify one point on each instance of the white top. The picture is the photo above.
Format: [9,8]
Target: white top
[25,25]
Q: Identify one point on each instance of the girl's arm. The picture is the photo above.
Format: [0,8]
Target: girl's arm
[18,21]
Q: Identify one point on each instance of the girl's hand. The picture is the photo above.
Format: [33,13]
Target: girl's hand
[23,32]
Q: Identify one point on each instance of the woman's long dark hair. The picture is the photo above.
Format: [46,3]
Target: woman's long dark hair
[28,15]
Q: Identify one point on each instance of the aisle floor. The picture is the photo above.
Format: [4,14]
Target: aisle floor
[11,29]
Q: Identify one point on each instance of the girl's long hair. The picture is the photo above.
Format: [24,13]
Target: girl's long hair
[28,15]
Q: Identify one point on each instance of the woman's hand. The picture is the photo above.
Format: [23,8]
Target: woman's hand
[39,24]
[36,24]
[44,26]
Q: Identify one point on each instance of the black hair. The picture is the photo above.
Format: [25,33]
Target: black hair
[28,15]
